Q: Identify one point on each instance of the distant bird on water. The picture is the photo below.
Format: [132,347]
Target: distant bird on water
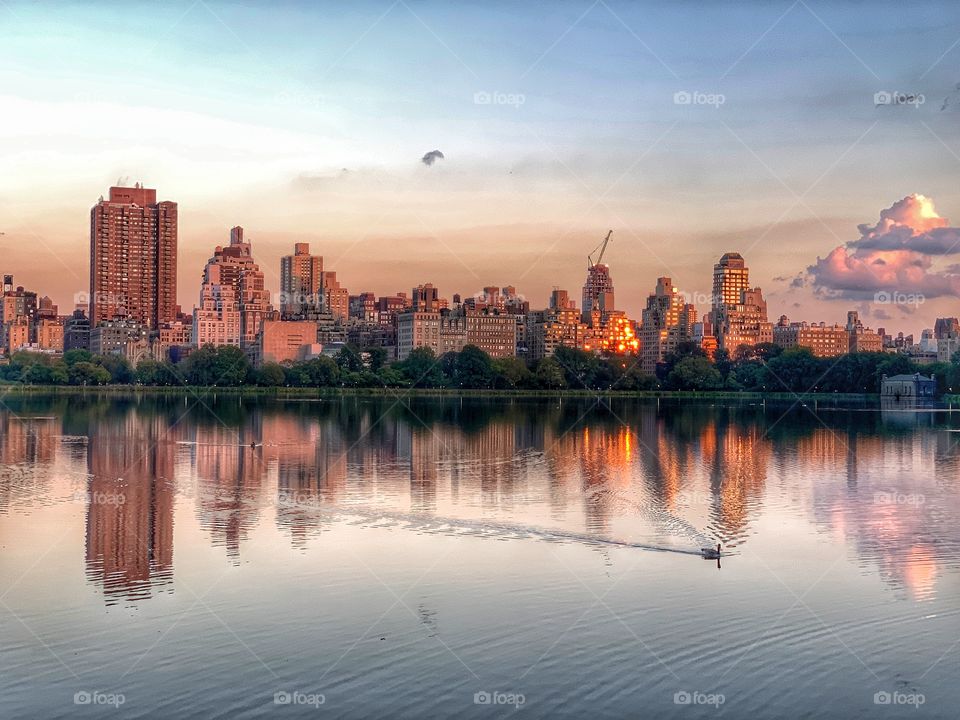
[710,554]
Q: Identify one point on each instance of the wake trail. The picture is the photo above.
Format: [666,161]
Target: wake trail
[429,523]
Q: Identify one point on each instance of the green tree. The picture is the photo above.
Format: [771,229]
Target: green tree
[579,366]
[795,370]
[225,365]
[148,372]
[722,362]
[473,368]
[270,375]
[349,359]
[549,374]
[58,373]
[695,373]
[72,357]
[378,358]
[749,375]
[420,368]
[88,373]
[392,377]
[118,366]
[511,372]
[628,375]
[36,374]
[685,349]
[318,372]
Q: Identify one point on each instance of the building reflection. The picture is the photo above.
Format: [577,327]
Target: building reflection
[892,507]
[130,505]
[229,464]
[27,448]
[636,469]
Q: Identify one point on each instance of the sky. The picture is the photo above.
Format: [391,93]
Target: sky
[820,140]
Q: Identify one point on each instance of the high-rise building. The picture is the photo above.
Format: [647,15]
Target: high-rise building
[738,314]
[233,299]
[731,278]
[946,332]
[133,258]
[301,284]
[337,298]
[862,339]
[667,321]
[597,291]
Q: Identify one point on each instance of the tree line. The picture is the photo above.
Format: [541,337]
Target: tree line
[760,368]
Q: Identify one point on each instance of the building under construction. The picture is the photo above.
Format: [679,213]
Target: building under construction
[598,288]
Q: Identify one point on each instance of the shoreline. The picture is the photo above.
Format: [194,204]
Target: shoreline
[296,392]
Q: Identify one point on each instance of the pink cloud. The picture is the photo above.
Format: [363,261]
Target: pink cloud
[895,255]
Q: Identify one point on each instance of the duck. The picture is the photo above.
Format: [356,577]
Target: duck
[710,554]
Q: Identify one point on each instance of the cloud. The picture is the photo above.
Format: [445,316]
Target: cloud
[431,156]
[895,255]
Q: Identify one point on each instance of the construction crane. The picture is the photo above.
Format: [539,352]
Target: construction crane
[602,247]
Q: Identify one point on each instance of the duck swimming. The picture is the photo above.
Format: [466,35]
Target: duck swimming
[710,554]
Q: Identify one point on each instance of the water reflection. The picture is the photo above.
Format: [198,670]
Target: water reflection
[636,470]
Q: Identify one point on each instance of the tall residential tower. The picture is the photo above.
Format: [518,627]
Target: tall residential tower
[133,258]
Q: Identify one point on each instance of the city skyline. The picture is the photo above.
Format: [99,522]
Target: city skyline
[326,141]
[912,219]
